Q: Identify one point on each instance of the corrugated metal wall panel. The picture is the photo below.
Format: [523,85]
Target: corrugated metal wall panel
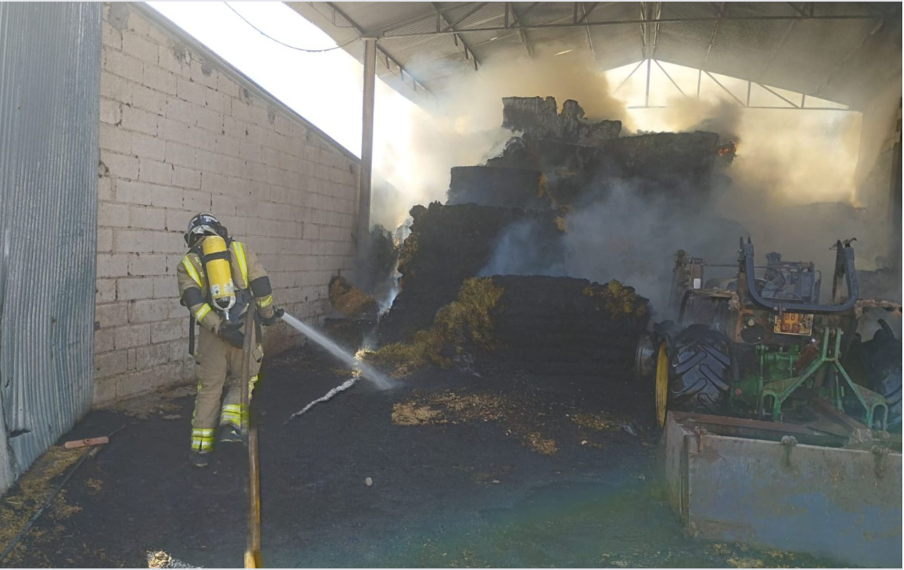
[50,60]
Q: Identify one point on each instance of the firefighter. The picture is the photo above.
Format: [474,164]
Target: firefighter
[218,278]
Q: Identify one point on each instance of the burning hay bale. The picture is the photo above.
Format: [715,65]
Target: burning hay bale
[448,245]
[350,301]
[511,218]
[558,325]
[499,187]
[459,328]
[562,325]
[668,165]
[575,155]
[537,118]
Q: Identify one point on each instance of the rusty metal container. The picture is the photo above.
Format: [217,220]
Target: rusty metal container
[782,486]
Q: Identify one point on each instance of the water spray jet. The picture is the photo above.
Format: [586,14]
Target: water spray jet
[378,379]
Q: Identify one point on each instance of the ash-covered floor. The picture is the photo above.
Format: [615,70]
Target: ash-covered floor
[505,469]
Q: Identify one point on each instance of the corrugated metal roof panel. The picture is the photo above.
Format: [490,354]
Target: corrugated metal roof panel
[49,117]
[741,49]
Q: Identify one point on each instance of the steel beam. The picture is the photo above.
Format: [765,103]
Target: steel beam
[552,26]
[673,81]
[625,80]
[517,23]
[464,48]
[386,54]
[650,11]
[798,10]
[586,12]
[712,39]
[785,99]
[526,10]
[733,96]
[367,148]
[470,13]
[399,24]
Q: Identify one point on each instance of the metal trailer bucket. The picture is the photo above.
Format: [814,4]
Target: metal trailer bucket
[774,491]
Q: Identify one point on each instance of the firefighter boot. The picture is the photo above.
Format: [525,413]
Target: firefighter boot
[199,459]
[230,434]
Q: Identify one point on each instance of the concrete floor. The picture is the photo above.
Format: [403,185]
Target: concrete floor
[473,491]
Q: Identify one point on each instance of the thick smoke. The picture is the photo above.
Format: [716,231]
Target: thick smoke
[800,181]
[622,236]
[414,151]
[793,191]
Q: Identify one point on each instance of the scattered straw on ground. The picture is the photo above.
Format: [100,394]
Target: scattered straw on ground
[599,421]
[33,489]
[96,485]
[161,559]
[410,414]
[739,555]
[61,509]
[541,444]
[746,562]
[449,407]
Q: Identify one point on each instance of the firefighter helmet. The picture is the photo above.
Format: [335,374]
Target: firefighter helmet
[203,224]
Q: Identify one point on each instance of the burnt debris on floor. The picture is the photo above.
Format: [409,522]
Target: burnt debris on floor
[506,470]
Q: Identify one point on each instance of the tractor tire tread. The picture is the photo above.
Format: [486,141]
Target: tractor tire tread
[700,369]
[881,358]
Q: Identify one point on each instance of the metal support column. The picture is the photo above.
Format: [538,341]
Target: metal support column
[367,147]
[895,197]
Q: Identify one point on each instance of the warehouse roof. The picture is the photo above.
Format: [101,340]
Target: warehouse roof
[826,50]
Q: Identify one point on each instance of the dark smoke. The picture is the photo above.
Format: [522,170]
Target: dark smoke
[619,235]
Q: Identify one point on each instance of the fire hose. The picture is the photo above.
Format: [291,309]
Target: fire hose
[249,431]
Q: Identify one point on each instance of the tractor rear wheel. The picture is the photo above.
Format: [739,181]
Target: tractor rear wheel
[700,370]
[881,359]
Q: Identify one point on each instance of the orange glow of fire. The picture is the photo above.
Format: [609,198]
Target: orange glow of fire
[729,149]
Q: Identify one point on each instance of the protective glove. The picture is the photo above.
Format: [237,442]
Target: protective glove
[271,320]
[233,335]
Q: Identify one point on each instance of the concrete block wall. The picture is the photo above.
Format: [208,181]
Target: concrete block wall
[182,133]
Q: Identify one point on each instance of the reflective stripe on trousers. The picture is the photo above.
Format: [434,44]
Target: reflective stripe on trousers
[231,414]
[201,440]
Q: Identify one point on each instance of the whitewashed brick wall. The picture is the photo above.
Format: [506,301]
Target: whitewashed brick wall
[180,133]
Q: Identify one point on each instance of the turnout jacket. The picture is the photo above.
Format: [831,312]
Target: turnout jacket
[247,274]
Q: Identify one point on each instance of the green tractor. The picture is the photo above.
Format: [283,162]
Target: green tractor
[759,345]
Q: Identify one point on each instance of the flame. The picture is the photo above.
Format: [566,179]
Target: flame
[729,149]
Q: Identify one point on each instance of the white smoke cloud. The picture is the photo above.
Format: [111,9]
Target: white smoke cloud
[797,182]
